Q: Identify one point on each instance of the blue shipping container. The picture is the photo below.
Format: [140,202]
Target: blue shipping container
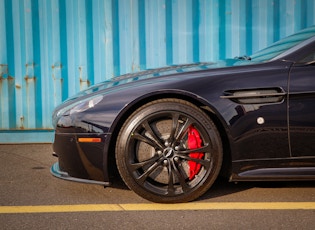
[51,49]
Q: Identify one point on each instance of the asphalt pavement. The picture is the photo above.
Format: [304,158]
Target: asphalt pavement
[32,198]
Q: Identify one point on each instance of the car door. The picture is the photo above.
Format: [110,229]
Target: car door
[302,108]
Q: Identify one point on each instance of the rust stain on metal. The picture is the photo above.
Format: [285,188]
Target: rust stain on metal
[83,82]
[22,122]
[9,78]
[87,82]
[56,75]
[80,75]
[3,72]
[135,67]
[3,69]
[57,66]
[32,64]
[28,78]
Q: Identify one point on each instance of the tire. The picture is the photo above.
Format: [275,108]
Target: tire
[153,155]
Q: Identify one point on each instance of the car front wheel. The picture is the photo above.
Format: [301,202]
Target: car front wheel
[169,151]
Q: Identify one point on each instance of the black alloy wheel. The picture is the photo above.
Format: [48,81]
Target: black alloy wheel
[169,151]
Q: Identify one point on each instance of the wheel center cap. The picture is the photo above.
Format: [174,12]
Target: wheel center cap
[168,152]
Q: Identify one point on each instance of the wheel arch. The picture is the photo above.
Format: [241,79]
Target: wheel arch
[163,94]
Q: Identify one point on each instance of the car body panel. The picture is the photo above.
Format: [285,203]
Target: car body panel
[302,110]
[264,109]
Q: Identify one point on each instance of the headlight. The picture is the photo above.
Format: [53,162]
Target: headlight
[86,104]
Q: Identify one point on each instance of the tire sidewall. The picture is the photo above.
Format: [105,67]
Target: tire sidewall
[161,106]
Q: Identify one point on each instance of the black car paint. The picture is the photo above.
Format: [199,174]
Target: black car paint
[258,151]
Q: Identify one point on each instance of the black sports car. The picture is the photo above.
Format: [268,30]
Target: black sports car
[171,131]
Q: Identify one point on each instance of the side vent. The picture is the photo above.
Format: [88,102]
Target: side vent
[255,96]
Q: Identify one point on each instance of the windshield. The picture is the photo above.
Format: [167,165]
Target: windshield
[283,45]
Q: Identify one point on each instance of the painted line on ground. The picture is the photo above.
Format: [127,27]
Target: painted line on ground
[159,207]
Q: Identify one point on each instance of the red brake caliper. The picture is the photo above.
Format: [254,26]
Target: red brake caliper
[194,142]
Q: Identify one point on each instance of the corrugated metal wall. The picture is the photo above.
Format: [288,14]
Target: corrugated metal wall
[51,49]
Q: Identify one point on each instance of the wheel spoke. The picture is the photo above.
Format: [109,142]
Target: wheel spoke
[157,140]
[171,188]
[142,178]
[184,129]
[175,118]
[203,149]
[147,140]
[180,177]
[144,164]
[203,162]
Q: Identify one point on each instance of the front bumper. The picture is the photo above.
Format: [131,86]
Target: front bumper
[55,171]
[80,161]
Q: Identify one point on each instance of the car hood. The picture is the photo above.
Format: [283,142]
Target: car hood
[159,72]
[151,76]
